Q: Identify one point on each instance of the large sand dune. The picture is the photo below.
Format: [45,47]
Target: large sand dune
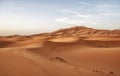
[58,54]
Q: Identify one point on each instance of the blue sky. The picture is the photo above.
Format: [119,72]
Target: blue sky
[37,16]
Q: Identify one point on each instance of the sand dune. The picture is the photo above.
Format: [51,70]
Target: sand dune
[62,53]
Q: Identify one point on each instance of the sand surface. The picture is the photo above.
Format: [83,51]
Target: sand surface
[62,56]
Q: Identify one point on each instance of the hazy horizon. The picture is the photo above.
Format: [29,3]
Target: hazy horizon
[38,16]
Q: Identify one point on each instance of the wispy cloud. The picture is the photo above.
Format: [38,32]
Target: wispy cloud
[75,13]
[96,4]
[106,6]
[82,3]
[110,14]
[70,20]
[98,13]
[74,17]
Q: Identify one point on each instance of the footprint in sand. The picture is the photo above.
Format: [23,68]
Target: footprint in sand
[58,59]
[99,71]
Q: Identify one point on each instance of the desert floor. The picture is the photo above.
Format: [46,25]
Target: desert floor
[52,58]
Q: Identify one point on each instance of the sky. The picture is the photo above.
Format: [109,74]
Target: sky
[27,17]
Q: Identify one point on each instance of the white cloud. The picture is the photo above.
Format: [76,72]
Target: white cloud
[74,17]
[75,13]
[70,20]
[61,19]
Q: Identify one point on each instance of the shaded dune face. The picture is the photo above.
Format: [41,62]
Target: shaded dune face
[4,44]
[84,43]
